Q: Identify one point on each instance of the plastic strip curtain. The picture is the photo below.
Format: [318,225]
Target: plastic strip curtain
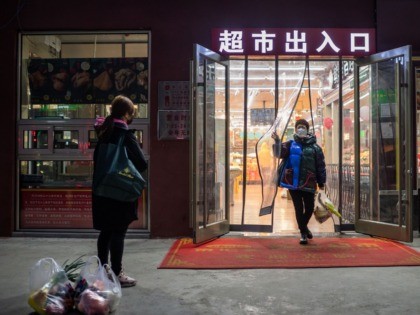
[289,88]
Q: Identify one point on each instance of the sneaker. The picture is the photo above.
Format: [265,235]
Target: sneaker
[125,280]
[303,239]
[309,234]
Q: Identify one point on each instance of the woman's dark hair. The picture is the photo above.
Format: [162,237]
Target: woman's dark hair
[120,106]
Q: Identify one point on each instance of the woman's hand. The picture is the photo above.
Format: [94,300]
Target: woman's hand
[275,136]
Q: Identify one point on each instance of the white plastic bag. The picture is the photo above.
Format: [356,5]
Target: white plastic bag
[98,290]
[324,208]
[50,290]
[42,272]
[321,213]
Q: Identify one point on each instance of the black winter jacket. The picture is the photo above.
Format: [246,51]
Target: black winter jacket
[110,214]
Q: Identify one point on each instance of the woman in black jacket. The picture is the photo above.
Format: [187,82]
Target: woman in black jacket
[112,217]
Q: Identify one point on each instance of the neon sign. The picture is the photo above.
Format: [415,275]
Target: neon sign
[290,41]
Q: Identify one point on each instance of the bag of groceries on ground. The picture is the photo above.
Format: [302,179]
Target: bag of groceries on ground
[97,289]
[51,292]
[324,208]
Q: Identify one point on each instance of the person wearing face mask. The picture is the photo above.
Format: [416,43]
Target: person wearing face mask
[301,171]
[112,217]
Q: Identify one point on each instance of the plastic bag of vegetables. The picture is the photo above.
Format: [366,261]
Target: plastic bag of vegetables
[51,292]
[97,289]
[324,208]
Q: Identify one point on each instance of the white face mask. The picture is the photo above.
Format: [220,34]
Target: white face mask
[301,132]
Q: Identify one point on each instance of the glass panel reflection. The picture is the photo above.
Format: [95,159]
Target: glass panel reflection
[199,154]
[74,111]
[35,139]
[66,139]
[236,135]
[380,146]
[215,143]
[56,173]
[93,139]
[348,155]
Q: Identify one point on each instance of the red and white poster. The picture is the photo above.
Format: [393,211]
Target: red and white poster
[64,209]
[56,209]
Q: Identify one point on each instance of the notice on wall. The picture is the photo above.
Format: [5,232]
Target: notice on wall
[65,209]
[174,95]
[262,116]
[174,124]
[174,115]
[56,208]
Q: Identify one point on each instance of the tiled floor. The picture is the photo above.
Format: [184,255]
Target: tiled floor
[284,221]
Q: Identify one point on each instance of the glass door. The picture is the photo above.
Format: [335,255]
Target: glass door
[383,141]
[209,145]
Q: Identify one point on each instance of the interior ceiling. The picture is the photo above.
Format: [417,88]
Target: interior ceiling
[261,83]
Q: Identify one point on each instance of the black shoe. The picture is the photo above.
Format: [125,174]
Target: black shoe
[309,234]
[303,239]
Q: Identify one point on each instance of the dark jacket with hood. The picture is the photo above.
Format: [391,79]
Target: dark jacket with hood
[110,214]
[306,158]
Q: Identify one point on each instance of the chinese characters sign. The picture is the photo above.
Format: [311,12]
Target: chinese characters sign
[51,209]
[174,114]
[174,124]
[174,95]
[65,209]
[289,41]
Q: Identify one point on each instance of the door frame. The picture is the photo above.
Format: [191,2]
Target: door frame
[202,230]
[400,231]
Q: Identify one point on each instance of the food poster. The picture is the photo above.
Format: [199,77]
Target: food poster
[80,89]
[48,80]
[87,80]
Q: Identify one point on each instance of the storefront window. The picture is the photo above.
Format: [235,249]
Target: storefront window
[67,80]
[76,75]
[35,139]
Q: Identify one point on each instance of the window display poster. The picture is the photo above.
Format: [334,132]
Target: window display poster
[174,95]
[65,209]
[174,125]
[87,80]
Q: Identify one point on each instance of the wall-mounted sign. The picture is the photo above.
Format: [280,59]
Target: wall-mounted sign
[174,95]
[87,80]
[294,41]
[346,70]
[56,208]
[174,124]
[262,116]
[174,114]
[64,208]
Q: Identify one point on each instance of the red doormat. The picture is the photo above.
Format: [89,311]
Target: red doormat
[247,253]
